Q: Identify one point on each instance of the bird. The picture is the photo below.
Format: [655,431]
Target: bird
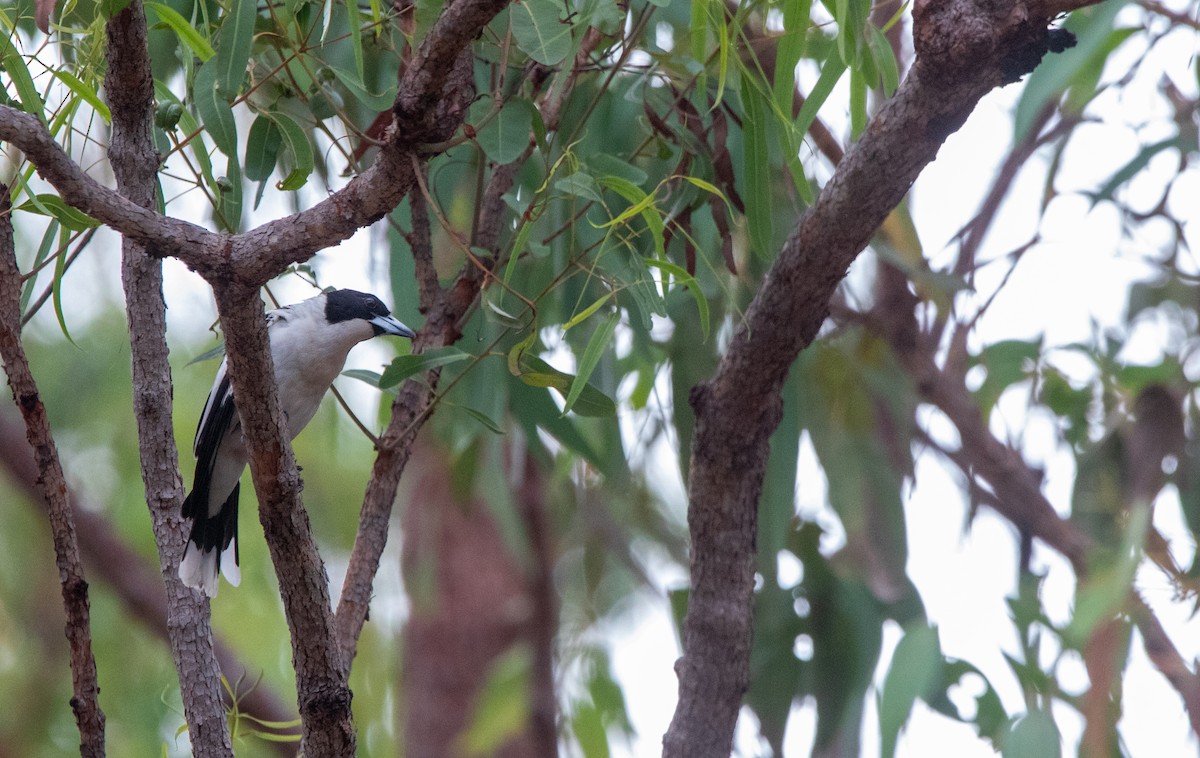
[310,341]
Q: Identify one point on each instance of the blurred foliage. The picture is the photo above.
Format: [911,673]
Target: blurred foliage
[639,229]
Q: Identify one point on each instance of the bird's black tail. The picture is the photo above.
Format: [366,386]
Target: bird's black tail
[212,547]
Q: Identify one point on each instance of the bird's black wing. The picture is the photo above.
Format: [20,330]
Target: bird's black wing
[219,415]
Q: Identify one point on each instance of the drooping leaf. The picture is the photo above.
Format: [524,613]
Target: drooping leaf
[405,366]
[233,47]
[1139,162]
[53,206]
[298,147]
[13,63]
[214,110]
[916,668]
[184,30]
[641,204]
[540,30]
[229,197]
[537,373]
[596,346]
[831,71]
[1007,362]
[353,81]
[885,60]
[1092,27]
[262,149]
[579,184]
[689,281]
[757,177]
[506,136]
[1035,733]
[84,91]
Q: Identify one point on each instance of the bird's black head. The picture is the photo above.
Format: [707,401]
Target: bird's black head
[347,305]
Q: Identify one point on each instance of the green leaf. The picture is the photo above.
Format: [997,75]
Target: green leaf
[184,30]
[1103,592]
[831,71]
[851,17]
[506,136]
[233,49]
[689,281]
[405,366]
[53,206]
[990,718]
[916,668]
[229,197]
[605,15]
[535,410]
[13,63]
[188,123]
[757,176]
[642,204]
[354,19]
[535,372]
[85,92]
[721,27]
[214,110]
[790,48]
[60,268]
[1139,162]
[299,148]
[603,164]
[588,311]
[1035,733]
[540,30]
[885,60]
[110,8]
[858,103]
[483,419]
[376,101]
[208,355]
[1092,27]
[579,184]
[262,149]
[43,251]
[596,346]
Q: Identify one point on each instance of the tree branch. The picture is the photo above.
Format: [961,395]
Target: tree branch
[53,490]
[963,51]
[322,690]
[129,86]
[192,244]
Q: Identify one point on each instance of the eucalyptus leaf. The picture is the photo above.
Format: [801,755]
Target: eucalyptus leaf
[410,365]
[506,136]
[233,47]
[541,31]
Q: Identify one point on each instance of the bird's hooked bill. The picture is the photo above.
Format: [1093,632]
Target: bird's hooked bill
[389,325]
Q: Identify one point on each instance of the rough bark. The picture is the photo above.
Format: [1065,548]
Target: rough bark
[52,488]
[322,690]
[129,87]
[963,51]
